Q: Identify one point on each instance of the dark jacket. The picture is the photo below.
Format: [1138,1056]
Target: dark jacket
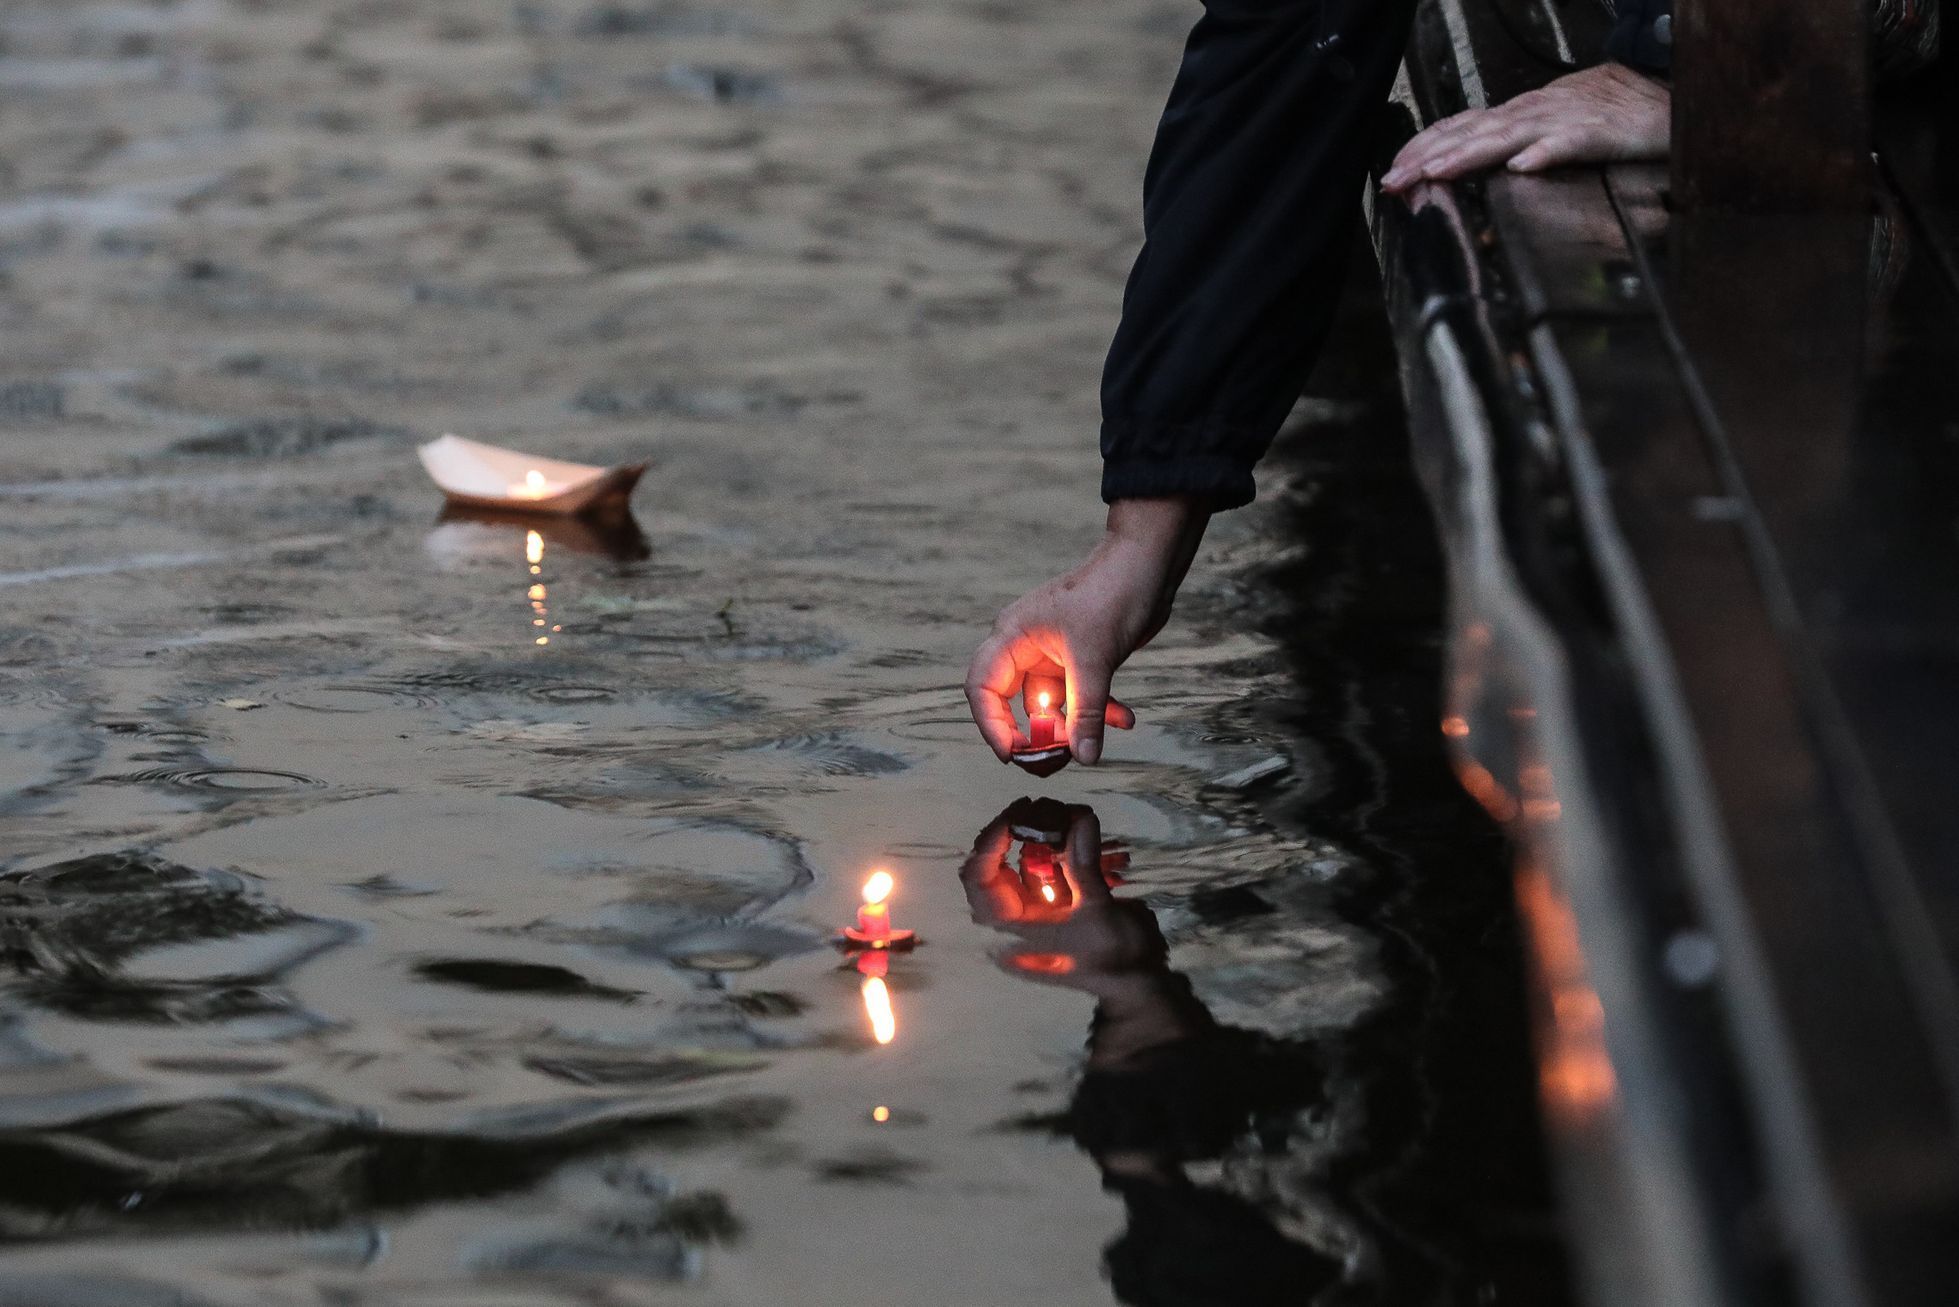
[1248,212]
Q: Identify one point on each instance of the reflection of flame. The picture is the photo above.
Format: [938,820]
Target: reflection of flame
[880,1114]
[533,547]
[877,1003]
[878,888]
[1574,1067]
[537,591]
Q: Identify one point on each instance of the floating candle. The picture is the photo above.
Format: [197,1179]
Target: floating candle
[873,929]
[484,476]
[874,918]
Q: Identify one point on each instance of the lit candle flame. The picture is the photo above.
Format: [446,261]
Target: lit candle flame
[1045,699]
[534,481]
[1047,892]
[880,1114]
[878,888]
[533,547]
[877,1003]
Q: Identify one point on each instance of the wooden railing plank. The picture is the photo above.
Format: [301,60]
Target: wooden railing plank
[1771,105]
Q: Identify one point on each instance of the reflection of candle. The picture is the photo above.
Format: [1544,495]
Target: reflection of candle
[1040,724]
[1041,874]
[877,1005]
[534,550]
[874,917]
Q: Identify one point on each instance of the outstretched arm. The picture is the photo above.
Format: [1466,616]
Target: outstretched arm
[1249,203]
[1248,210]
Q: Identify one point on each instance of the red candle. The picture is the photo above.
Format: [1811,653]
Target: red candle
[1040,724]
[874,917]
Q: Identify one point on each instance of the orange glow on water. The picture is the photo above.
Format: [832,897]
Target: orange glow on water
[1044,964]
[537,591]
[880,1114]
[1455,727]
[1575,1075]
[877,1005]
[1486,789]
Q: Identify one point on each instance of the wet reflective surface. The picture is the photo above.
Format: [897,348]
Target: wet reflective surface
[409,906]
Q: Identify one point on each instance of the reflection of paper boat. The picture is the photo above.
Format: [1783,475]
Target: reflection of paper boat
[484,476]
[610,530]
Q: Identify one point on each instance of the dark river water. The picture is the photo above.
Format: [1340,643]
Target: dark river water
[405,907]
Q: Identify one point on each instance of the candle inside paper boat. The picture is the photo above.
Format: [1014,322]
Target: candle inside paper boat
[485,476]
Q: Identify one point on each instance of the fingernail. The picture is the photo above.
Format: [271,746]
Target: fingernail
[1088,750]
[1394,177]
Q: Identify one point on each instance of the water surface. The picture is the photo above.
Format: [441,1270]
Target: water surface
[401,907]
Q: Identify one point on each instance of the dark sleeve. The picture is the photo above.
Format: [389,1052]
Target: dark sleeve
[1248,208]
[1642,36]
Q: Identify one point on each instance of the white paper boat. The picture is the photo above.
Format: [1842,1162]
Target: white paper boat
[484,476]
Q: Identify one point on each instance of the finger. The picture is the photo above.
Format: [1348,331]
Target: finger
[1084,861]
[1484,149]
[1088,709]
[994,842]
[1429,143]
[1120,715]
[1454,153]
[990,682]
[991,889]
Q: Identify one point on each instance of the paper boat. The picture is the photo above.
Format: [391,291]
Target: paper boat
[484,476]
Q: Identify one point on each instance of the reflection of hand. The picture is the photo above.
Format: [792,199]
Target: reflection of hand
[1072,633]
[1597,115]
[1086,934]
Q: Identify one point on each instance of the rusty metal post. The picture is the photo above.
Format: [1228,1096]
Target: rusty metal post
[1771,104]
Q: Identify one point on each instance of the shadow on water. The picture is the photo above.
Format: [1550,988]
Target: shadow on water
[218,1165]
